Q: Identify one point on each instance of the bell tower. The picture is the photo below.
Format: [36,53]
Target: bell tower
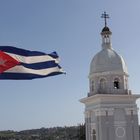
[110,108]
[108,71]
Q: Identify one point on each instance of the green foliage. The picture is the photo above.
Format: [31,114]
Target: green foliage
[81,132]
[55,133]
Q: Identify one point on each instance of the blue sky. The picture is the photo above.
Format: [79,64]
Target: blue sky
[72,28]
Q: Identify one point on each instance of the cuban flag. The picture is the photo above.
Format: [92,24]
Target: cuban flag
[16,63]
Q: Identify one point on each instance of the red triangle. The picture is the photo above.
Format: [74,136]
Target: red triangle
[7,62]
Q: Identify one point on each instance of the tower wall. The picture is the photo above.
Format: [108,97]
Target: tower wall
[110,108]
[111,117]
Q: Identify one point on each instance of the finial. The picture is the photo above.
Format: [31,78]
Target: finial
[105,16]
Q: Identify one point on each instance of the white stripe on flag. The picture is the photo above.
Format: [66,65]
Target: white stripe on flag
[22,69]
[33,59]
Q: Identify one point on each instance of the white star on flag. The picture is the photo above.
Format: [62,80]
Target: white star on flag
[2,62]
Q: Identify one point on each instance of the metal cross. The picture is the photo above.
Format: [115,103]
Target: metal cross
[105,16]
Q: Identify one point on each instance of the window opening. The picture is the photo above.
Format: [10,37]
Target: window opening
[116,84]
[94,134]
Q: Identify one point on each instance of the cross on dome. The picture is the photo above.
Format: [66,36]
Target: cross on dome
[106,33]
[105,16]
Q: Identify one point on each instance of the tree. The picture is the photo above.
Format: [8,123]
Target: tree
[81,132]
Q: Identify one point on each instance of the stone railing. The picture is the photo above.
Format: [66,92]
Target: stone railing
[113,91]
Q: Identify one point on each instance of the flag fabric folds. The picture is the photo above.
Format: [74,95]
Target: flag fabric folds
[16,63]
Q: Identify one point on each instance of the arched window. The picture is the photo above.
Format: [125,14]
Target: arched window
[94,134]
[102,83]
[116,83]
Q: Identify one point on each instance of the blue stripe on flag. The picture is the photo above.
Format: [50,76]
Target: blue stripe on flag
[41,65]
[23,52]
[24,76]
[53,54]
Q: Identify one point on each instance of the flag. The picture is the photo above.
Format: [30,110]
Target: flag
[16,63]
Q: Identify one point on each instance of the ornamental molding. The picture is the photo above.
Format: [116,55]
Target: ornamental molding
[120,132]
[119,123]
[109,110]
[130,110]
[110,99]
[108,73]
[94,107]
[104,112]
[100,112]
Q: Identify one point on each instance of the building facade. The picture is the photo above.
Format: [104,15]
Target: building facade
[111,112]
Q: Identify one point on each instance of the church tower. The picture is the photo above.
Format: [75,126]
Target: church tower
[111,112]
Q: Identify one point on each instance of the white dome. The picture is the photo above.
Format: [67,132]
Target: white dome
[107,60]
